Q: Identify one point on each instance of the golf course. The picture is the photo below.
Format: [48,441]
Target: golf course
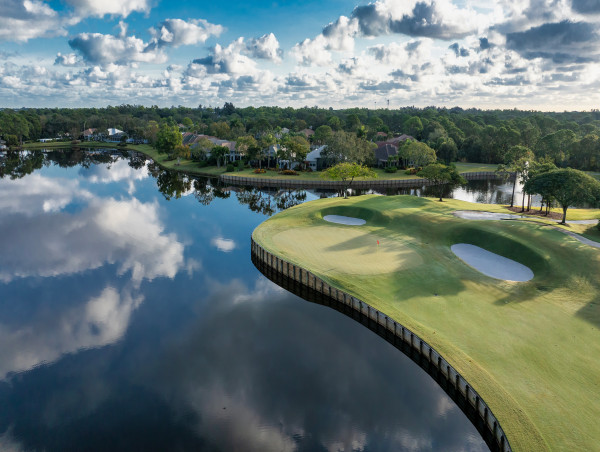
[513,305]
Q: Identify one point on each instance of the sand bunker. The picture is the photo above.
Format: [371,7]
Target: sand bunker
[331,249]
[481,215]
[339,219]
[492,264]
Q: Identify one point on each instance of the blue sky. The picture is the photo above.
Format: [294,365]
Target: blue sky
[541,54]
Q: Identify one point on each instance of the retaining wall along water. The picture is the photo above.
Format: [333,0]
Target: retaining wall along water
[403,338]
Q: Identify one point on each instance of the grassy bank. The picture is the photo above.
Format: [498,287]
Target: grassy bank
[530,349]
[192,167]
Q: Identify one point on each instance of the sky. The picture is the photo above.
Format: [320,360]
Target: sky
[526,54]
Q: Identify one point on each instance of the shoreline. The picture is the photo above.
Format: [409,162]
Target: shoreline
[407,341]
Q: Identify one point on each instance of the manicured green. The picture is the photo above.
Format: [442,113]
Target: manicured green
[530,349]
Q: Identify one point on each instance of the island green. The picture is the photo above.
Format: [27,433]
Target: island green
[530,348]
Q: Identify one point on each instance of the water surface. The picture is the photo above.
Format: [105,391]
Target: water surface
[132,318]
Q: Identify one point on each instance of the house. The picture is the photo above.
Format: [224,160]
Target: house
[282,132]
[45,140]
[308,132]
[314,160]
[114,134]
[88,134]
[396,141]
[384,152]
[3,145]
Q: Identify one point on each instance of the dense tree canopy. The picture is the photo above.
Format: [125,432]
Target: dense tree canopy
[567,138]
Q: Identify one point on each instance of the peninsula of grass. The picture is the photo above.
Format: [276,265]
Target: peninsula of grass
[531,349]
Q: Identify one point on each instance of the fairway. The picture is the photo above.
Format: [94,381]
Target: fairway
[531,349]
[349,250]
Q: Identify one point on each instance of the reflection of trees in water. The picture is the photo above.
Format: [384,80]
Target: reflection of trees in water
[171,184]
[268,202]
[206,191]
[17,164]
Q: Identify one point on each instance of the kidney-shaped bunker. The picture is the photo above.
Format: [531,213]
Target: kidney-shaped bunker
[492,264]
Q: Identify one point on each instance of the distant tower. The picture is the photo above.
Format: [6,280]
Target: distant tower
[388,102]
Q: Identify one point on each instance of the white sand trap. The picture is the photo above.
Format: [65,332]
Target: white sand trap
[492,264]
[339,219]
[479,215]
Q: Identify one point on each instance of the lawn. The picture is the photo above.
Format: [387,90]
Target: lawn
[530,349]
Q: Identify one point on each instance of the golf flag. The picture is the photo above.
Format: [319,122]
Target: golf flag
[377,242]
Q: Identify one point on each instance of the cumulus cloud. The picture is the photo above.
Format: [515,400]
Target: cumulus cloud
[97,48]
[27,19]
[178,32]
[439,19]
[561,42]
[97,8]
[69,59]
[586,6]
[336,36]
[120,49]
[266,47]
[228,60]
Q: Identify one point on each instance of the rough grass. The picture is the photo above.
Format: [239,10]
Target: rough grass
[530,349]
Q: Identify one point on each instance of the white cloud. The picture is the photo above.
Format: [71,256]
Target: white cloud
[177,32]
[336,36]
[97,8]
[99,321]
[97,48]
[69,59]
[27,19]
[266,47]
[126,233]
[225,245]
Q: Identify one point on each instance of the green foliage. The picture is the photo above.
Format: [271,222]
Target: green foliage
[415,153]
[322,134]
[167,138]
[219,153]
[391,169]
[346,146]
[230,167]
[347,172]
[567,186]
[442,176]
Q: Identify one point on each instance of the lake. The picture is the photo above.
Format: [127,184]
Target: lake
[132,318]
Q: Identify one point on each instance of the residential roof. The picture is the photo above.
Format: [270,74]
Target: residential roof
[385,151]
[307,132]
[315,153]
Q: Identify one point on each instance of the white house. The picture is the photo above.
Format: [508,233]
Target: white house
[314,159]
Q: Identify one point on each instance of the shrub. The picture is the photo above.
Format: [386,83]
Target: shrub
[413,170]
[391,169]
[598,226]
[289,172]
[259,171]
[203,163]
[230,167]
[240,165]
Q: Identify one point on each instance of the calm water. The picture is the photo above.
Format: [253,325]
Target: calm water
[132,318]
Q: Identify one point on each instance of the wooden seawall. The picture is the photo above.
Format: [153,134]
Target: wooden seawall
[304,283]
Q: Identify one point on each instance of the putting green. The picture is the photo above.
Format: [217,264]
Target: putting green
[350,250]
[531,349]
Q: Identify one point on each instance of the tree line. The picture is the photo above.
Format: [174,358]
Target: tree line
[568,139]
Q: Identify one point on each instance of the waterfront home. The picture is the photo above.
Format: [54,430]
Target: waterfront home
[314,160]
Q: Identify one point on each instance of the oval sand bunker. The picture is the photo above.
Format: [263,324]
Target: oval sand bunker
[492,264]
[339,219]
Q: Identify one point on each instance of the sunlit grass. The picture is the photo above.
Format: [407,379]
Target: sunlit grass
[530,349]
